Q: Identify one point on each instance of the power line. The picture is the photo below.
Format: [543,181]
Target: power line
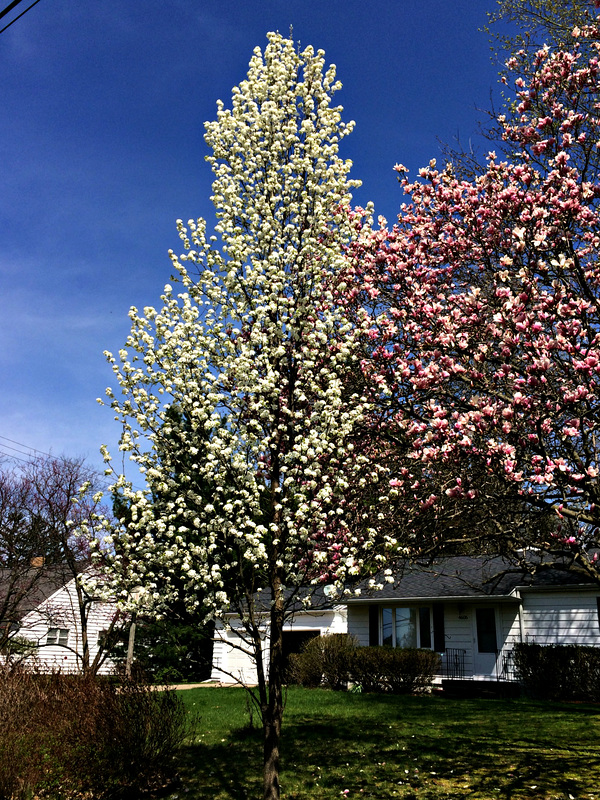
[12,5]
[9,7]
[24,446]
[27,460]
[13,456]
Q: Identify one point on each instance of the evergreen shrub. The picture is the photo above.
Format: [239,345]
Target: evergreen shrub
[396,670]
[335,660]
[324,661]
[558,672]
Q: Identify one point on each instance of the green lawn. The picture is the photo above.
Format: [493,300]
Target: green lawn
[388,746]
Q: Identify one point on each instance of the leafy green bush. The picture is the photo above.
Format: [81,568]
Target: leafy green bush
[305,669]
[324,661]
[558,672]
[333,660]
[397,670]
[62,736]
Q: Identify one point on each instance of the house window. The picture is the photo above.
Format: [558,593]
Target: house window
[59,636]
[406,627]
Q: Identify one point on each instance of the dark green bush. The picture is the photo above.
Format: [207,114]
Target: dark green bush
[305,669]
[558,672]
[324,661]
[332,661]
[63,737]
[396,670]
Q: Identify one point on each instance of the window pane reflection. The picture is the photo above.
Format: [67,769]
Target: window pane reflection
[406,627]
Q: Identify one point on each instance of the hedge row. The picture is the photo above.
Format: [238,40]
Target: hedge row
[336,660]
[558,672]
[64,737]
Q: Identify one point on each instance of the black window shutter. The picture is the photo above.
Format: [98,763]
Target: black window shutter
[373,625]
[439,634]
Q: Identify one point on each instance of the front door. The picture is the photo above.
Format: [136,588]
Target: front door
[485,653]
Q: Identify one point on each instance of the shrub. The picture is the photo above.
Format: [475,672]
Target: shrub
[324,660]
[559,672]
[332,661]
[305,669]
[62,736]
[397,670]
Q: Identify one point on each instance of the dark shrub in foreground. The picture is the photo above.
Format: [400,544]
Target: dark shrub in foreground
[62,736]
[332,661]
[559,672]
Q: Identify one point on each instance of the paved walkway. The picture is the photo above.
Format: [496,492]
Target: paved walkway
[204,684]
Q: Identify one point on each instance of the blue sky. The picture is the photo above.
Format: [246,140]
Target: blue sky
[102,107]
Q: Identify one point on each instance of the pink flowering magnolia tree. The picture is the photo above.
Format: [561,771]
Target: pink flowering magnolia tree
[236,395]
[484,310]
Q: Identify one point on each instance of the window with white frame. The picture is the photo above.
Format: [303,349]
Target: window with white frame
[408,626]
[59,636]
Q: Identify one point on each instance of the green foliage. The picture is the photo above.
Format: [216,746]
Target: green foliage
[18,648]
[62,736]
[324,660]
[169,650]
[396,670]
[559,672]
[333,661]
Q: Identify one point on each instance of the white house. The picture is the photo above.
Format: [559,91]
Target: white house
[471,610]
[49,618]
[232,662]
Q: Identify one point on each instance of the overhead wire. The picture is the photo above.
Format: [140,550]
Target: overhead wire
[28,455]
[11,6]
[13,456]
[23,446]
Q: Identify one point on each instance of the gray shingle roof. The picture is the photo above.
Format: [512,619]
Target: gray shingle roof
[468,577]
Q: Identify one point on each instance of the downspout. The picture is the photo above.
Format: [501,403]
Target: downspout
[521,635]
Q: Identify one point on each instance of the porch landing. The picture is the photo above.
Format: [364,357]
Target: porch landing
[479,687]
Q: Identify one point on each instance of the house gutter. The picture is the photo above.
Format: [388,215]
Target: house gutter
[469,598]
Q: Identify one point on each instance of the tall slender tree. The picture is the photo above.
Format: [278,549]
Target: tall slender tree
[257,355]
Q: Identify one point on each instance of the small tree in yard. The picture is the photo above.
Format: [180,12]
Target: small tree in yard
[66,505]
[485,323]
[258,358]
[48,512]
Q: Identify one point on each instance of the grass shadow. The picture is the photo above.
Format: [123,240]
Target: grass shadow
[407,747]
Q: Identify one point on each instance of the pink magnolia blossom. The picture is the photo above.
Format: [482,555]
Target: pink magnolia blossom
[493,288]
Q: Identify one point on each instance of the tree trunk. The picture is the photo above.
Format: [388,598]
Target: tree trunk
[83,608]
[273,713]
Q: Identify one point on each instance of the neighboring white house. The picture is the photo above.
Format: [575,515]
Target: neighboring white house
[50,619]
[471,610]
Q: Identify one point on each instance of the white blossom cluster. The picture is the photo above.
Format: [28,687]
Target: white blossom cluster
[235,396]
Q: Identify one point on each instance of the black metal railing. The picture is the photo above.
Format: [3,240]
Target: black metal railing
[453,663]
[507,667]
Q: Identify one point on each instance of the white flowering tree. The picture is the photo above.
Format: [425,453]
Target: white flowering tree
[257,358]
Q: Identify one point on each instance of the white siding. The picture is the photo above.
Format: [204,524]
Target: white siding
[561,618]
[358,623]
[459,628]
[232,665]
[61,611]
